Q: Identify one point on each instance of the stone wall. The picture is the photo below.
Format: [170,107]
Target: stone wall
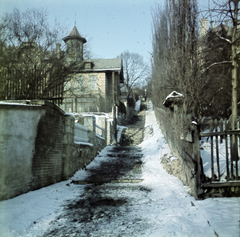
[37,147]
[47,161]
[174,130]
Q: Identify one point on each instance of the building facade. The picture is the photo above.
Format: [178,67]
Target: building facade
[93,83]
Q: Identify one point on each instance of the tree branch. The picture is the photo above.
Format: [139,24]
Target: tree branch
[214,64]
[227,40]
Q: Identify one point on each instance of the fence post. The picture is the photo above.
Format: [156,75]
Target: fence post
[103,124]
[196,155]
[109,132]
[68,141]
[212,157]
[90,124]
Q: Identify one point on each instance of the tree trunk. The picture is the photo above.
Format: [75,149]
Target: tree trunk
[234,81]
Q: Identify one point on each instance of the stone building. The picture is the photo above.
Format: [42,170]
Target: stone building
[91,86]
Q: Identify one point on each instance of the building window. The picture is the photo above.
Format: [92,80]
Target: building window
[79,84]
[92,82]
[67,85]
[68,104]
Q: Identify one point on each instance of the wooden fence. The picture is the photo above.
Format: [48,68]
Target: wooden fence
[220,159]
[219,133]
[25,89]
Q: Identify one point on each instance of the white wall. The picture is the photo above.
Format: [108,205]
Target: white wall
[18,130]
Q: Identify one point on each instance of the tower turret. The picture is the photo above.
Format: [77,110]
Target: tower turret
[74,42]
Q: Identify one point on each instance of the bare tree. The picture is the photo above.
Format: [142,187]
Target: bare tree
[33,64]
[229,10]
[136,71]
[216,71]
[174,62]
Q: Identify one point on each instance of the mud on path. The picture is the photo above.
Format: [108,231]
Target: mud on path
[111,194]
[133,135]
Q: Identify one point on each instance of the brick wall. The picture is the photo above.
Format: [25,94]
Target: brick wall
[47,163]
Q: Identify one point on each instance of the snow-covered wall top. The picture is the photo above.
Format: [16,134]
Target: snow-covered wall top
[173,96]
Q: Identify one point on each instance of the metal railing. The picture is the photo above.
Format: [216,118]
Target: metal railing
[100,131]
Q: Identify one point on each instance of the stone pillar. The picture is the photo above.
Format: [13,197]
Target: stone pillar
[103,124]
[117,109]
[68,142]
[90,124]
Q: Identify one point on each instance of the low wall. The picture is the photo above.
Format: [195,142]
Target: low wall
[37,147]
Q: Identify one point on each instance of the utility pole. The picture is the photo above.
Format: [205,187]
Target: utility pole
[114,110]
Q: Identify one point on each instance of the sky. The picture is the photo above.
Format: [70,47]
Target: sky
[110,26]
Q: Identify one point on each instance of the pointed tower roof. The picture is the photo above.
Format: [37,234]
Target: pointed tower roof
[74,34]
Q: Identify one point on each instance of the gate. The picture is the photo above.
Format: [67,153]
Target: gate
[219,134]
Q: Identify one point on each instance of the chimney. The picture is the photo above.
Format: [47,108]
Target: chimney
[58,49]
[226,23]
[203,26]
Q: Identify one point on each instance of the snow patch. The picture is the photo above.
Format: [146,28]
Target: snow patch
[120,130]
[70,114]
[137,105]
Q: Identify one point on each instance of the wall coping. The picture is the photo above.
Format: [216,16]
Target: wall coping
[28,104]
[81,126]
[6,105]
[83,143]
[99,136]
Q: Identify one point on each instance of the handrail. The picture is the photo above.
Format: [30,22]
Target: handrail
[97,126]
[229,132]
[101,132]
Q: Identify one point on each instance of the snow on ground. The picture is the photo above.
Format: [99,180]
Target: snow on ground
[30,214]
[137,105]
[215,217]
[120,130]
[168,206]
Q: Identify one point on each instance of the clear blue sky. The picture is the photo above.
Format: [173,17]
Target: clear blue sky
[110,26]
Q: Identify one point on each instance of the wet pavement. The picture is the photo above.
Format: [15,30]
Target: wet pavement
[108,206]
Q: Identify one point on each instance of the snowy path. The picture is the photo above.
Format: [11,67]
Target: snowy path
[162,207]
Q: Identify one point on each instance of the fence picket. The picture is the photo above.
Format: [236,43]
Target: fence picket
[237,137]
[231,159]
[226,145]
[212,160]
[196,154]
[221,129]
[217,149]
